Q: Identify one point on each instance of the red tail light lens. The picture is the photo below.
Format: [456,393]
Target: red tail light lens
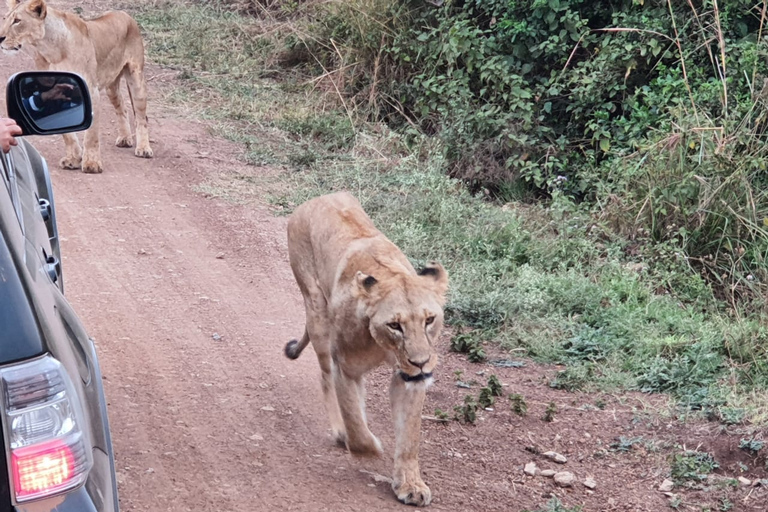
[46,443]
[42,469]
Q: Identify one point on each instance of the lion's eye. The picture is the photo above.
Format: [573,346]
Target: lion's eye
[16,21]
[395,326]
[429,320]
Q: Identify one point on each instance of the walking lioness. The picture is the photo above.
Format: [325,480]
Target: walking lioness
[366,305]
[103,50]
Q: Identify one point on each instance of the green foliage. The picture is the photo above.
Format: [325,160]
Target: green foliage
[468,411]
[518,405]
[692,466]
[440,414]
[752,445]
[485,398]
[555,505]
[573,378]
[549,412]
[652,113]
[625,444]
[494,384]
[469,343]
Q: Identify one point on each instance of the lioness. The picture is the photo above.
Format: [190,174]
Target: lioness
[366,305]
[103,50]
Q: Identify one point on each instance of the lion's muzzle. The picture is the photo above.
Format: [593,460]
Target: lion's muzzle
[415,378]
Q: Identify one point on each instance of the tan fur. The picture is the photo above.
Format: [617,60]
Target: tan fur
[366,305]
[102,50]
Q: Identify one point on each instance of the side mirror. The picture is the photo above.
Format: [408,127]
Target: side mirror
[49,102]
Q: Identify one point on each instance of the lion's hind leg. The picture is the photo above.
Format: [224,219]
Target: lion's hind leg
[124,137]
[137,88]
[317,332]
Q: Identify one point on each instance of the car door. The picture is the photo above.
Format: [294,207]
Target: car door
[34,209]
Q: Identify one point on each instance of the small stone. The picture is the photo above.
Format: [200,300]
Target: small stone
[560,459]
[216,337]
[564,478]
[745,481]
[220,256]
[667,485]
[590,483]
[547,472]
[256,437]
[531,469]
[268,408]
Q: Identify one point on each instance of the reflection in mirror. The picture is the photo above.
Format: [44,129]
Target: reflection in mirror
[53,102]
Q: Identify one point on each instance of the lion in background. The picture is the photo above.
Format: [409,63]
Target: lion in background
[366,305]
[103,50]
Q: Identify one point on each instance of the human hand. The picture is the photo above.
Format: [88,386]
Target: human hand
[8,128]
[58,92]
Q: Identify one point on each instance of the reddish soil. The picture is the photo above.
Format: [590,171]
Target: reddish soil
[191,300]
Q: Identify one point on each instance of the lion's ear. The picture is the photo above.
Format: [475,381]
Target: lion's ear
[37,8]
[12,4]
[365,282]
[435,271]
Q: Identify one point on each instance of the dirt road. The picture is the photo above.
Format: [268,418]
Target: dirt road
[191,300]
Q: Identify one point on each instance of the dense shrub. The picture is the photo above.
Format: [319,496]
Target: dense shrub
[650,111]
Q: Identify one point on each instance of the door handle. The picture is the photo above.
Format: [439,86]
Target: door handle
[45,208]
[52,267]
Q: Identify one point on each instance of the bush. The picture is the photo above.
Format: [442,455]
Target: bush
[651,112]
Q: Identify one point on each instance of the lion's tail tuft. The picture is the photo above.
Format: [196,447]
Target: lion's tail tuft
[294,348]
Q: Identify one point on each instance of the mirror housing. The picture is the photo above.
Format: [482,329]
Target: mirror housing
[49,102]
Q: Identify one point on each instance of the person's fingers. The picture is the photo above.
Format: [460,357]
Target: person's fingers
[14,129]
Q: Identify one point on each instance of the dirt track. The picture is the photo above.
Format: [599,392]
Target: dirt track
[191,300]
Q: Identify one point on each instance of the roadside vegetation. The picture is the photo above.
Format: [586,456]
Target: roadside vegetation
[592,177]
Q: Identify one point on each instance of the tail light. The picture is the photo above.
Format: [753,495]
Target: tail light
[45,439]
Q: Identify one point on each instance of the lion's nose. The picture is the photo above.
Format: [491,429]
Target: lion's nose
[2,38]
[419,364]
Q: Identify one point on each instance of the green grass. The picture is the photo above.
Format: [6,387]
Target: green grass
[554,505]
[551,281]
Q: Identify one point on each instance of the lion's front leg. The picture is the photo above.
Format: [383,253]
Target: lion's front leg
[350,392]
[92,152]
[73,154]
[407,402]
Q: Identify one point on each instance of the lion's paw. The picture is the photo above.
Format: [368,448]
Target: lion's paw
[340,437]
[370,447]
[124,142]
[71,162]
[144,152]
[413,493]
[92,167]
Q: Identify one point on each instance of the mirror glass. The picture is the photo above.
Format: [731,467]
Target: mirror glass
[53,102]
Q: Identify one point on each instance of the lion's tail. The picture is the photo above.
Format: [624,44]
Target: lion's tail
[294,348]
